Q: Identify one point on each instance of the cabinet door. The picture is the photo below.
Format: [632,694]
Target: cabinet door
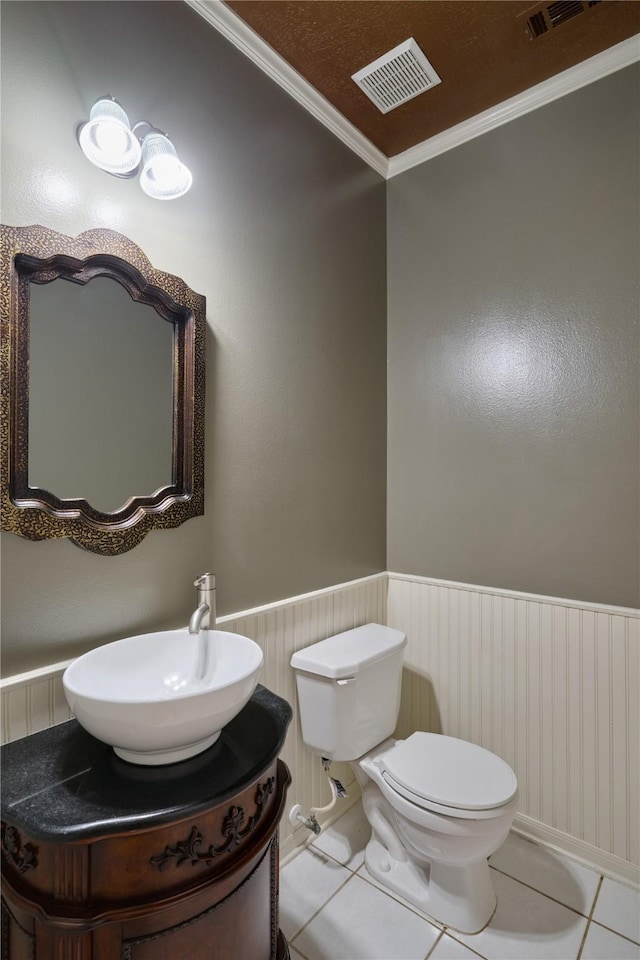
[243,925]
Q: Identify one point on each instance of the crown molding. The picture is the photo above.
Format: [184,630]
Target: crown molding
[226,22]
[595,68]
[254,47]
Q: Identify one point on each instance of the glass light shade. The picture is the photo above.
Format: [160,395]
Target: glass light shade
[163,176]
[107,140]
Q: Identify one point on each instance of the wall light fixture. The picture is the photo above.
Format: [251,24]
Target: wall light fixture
[109,141]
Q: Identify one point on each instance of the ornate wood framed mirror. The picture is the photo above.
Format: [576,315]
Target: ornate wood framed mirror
[102,366]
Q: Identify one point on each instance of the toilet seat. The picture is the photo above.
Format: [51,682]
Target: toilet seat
[447,775]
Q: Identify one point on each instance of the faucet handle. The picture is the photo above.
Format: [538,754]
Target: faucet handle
[206,581]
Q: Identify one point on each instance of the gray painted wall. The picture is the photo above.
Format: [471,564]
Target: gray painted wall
[513,333]
[284,233]
[513,354]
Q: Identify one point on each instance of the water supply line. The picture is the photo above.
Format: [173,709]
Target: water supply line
[296,814]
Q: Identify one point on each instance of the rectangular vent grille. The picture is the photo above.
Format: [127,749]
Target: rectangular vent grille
[397,76]
[564,10]
[537,24]
[555,14]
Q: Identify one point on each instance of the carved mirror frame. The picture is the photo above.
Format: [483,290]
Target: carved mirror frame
[38,254]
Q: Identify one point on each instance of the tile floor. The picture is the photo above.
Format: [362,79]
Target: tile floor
[550,907]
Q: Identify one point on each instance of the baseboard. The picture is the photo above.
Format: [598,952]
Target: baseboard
[606,863]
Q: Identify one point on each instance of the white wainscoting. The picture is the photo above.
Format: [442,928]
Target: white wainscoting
[551,686]
[281,629]
[34,701]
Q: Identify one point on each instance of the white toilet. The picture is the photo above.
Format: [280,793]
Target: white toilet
[438,806]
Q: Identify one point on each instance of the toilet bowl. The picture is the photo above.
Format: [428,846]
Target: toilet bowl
[438,806]
[431,852]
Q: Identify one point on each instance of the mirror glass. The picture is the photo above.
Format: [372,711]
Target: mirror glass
[100,393]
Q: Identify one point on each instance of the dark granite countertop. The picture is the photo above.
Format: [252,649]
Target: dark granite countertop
[63,784]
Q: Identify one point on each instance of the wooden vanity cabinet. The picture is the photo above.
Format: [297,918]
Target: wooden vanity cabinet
[201,884]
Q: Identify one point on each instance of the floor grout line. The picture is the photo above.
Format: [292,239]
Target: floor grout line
[389,893]
[434,944]
[303,955]
[541,892]
[586,929]
[466,945]
[403,903]
[313,916]
[441,929]
[624,936]
[335,859]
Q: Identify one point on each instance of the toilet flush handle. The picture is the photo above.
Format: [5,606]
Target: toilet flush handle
[343,683]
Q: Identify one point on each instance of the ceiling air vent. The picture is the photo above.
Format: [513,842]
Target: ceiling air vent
[563,10]
[397,76]
[554,14]
[537,24]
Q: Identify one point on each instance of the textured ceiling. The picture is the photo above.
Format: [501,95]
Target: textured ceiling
[483,50]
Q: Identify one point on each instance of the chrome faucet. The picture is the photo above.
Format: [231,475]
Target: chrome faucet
[204,616]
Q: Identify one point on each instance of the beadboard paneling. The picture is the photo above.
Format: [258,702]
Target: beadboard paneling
[283,628]
[549,685]
[35,701]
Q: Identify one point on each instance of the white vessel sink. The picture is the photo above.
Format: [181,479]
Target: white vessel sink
[163,697]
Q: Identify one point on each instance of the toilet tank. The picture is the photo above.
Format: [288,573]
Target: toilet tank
[349,690]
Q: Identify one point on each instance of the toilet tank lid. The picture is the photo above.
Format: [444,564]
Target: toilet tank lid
[344,654]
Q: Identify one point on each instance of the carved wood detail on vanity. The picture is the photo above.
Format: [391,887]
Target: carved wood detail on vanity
[23,856]
[233,828]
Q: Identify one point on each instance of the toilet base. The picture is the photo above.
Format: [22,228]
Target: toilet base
[461,897]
